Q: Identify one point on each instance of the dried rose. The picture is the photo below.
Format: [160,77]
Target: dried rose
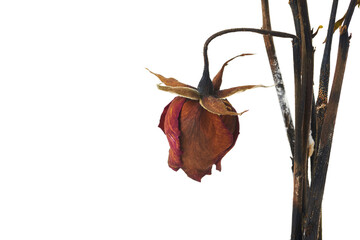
[201,125]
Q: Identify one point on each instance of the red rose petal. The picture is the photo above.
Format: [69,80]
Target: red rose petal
[172,131]
[205,138]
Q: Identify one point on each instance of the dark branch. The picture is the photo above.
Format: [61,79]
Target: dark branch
[296,17]
[318,182]
[303,110]
[321,102]
[298,175]
[324,73]
[279,84]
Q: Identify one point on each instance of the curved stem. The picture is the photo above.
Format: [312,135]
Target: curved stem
[205,86]
[231,30]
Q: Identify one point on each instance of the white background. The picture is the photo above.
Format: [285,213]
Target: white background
[81,156]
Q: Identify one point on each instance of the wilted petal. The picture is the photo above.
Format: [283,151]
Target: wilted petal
[162,118]
[172,82]
[234,128]
[230,91]
[169,122]
[218,78]
[205,138]
[218,106]
[186,92]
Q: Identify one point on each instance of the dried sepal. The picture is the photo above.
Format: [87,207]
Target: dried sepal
[218,106]
[171,82]
[218,78]
[230,91]
[185,92]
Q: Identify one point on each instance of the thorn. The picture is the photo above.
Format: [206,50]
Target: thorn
[314,34]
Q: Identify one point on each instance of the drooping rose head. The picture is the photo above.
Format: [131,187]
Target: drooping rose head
[197,138]
[201,125]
